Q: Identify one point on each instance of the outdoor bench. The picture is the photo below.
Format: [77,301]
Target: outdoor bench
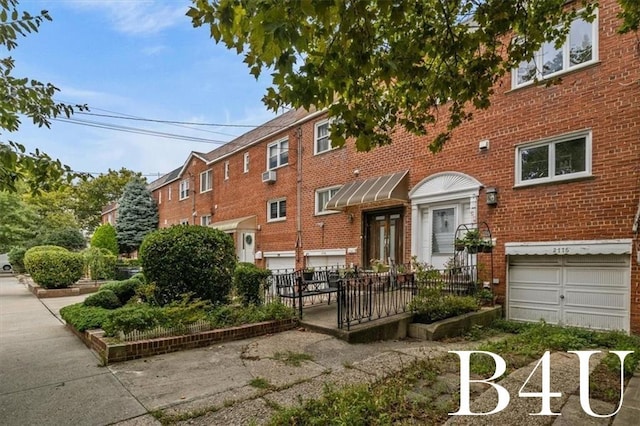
[293,286]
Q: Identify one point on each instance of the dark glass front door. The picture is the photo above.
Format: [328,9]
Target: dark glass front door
[383,237]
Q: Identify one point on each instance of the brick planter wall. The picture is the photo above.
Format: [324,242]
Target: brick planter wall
[117,352]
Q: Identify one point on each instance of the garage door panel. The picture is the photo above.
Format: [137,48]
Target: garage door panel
[537,275]
[281,263]
[533,313]
[597,299]
[596,277]
[534,295]
[599,321]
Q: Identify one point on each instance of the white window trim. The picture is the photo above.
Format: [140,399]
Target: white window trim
[278,142]
[202,220]
[318,211]
[315,137]
[226,170]
[245,162]
[160,197]
[552,141]
[169,194]
[566,68]
[181,189]
[209,181]
[184,221]
[278,219]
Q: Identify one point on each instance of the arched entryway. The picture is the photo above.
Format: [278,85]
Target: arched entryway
[439,203]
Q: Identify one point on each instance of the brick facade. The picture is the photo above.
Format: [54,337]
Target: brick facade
[603,98]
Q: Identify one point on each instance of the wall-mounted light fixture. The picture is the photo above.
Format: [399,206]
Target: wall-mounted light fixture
[492,196]
[350,218]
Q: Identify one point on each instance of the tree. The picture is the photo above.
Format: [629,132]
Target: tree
[105,237]
[18,223]
[137,215]
[69,238]
[93,194]
[379,65]
[31,98]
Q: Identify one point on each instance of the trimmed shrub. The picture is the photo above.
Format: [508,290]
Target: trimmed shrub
[16,258]
[248,279]
[106,299]
[133,317]
[187,259]
[431,309]
[105,237]
[46,248]
[83,317]
[99,263]
[53,268]
[124,290]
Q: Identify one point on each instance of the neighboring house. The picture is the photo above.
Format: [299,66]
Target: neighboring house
[109,214]
[554,172]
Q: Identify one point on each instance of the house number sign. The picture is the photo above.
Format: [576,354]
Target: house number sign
[544,364]
[561,250]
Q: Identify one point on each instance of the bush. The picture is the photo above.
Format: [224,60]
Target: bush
[186,259]
[99,264]
[16,258]
[69,238]
[183,313]
[106,299]
[431,305]
[105,237]
[53,268]
[124,290]
[129,318]
[226,316]
[248,279]
[83,317]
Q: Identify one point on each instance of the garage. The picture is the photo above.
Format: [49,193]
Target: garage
[280,260]
[588,285]
[329,258]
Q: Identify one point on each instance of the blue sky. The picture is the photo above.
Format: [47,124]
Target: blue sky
[140,58]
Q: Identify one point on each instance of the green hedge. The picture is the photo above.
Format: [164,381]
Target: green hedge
[248,279]
[103,299]
[16,258]
[83,317]
[99,263]
[53,268]
[124,290]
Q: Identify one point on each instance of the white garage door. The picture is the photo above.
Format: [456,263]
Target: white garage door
[326,261]
[281,262]
[581,290]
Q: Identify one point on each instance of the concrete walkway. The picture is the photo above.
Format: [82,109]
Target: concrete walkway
[47,376]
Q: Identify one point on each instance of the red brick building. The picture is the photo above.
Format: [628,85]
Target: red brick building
[553,171]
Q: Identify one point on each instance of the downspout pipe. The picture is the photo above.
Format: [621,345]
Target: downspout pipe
[299,251]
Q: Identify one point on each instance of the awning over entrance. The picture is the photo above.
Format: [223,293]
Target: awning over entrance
[593,247]
[232,225]
[389,187]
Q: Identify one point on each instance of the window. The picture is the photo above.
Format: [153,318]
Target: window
[246,162]
[184,221]
[321,137]
[184,189]
[322,197]
[159,197]
[169,194]
[277,210]
[562,158]
[205,220]
[206,181]
[579,49]
[226,170]
[277,154]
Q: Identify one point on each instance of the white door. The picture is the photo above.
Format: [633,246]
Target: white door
[439,224]
[580,290]
[247,246]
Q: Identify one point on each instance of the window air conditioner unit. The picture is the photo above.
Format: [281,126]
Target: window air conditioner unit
[269,176]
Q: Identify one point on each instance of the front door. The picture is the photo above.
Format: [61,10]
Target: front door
[247,247]
[439,224]
[383,237]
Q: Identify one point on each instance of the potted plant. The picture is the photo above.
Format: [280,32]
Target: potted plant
[472,241]
[459,244]
[486,246]
[307,273]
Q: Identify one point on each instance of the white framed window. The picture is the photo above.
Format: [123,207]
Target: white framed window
[245,162]
[226,170]
[205,220]
[322,197]
[276,210]
[169,194]
[579,49]
[554,159]
[321,143]
[277,154]
[159,197]
[206,181]
[184,189]
[184,221]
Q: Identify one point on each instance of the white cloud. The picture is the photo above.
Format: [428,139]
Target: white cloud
[154,50]
[138,17]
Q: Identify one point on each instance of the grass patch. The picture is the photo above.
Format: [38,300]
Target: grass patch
[260,383]
[294,359]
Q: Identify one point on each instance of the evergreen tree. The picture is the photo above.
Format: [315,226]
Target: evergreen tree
[105,237]
[137,215]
